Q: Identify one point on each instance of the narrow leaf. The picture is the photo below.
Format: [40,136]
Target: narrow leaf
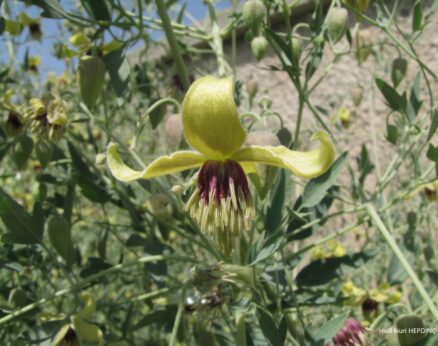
[316,188]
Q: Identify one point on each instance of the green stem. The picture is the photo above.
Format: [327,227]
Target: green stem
[174,47]
[178,317]
[89,279]
[392,243]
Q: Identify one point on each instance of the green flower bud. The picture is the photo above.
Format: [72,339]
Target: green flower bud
[337,23]
[91,76]
[44,151]
[100,159]
[22,151]
[398,71]
[160,206]
[252,88]
[59,233]
[362,42]
[253,14]
[344,117]
[411,325]
[358,5]
[297,48]
[284,136]
[259,46]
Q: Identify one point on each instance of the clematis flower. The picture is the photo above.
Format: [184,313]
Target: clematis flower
[221,204]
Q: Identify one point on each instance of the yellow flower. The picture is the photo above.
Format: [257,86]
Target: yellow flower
[222,203]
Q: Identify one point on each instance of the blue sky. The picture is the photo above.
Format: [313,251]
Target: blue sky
[53,32]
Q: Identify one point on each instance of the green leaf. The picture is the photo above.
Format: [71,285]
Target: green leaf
[118,70]
[302,216]
[433,277]
[157,115]
[268,250]
[58,229]
[432,154]
[98,10]
[391,133]
[324,334]
[91,184]
[268,327]
[316,188]
[434,124]
[51,8]
[274,212]
[365,164]
[2,25]
[323,271]
[22,151]
[417,20]
[20,224]
[94,266]
[415,102]
[396,273]
[394,100]
[162,318]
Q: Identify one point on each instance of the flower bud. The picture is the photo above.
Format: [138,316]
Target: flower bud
[44,151]
[398,71]
[22,151]
[344,117]
[358,5]
[253,14]
[173,129]
[160,206]
[91,76]
[58,229]
[362,42]
[252,88]
[297,48]
[337,23]
[411,326]
[100,159]
[177,189]
[259,46]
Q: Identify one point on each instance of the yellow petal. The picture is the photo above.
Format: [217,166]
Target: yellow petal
[210,120]
[178,161]
[304,164]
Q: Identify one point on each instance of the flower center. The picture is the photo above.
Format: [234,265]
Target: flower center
[222,204]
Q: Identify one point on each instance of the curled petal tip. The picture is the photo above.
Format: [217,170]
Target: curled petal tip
[177,162]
